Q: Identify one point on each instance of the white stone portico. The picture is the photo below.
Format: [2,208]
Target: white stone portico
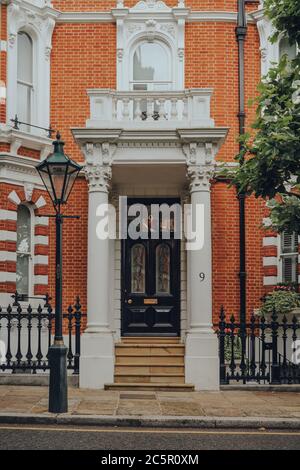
[122,150]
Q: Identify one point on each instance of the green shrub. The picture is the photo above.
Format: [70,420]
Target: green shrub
[283,301]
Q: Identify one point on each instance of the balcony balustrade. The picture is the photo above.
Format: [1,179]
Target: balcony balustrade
[144,109]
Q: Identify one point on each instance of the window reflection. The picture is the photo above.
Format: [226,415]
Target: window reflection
[150,63]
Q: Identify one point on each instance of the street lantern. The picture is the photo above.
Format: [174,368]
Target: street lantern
[58,173]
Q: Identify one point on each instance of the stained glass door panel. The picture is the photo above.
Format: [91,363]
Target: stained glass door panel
[151,287]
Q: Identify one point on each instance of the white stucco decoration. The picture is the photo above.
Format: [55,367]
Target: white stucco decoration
[14,198]
[28,191]
[150,20]
[40,203]
[270,52]
[37,19]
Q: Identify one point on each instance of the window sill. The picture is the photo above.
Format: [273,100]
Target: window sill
[17,139]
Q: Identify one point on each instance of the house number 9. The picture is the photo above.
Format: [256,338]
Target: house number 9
[202,276]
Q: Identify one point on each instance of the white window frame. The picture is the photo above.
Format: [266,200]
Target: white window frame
[38,22]
[31,250]
[30,87]
[149,22]
[281,256]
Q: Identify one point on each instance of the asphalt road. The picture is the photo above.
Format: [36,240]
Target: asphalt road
[32,437]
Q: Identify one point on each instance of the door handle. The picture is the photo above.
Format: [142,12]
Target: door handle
[129,301]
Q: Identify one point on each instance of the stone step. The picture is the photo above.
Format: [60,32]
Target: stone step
[149,339]
[150,387]
[162,368]
[148,378]
[176,359]
[149,349]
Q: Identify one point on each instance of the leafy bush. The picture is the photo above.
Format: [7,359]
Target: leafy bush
[282,300]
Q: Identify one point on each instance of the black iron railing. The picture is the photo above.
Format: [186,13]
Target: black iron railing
[27,333]
[261,351]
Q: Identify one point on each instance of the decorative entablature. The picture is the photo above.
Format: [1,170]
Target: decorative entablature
[150,20]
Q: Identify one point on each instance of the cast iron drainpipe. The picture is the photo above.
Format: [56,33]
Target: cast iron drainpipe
[241,33]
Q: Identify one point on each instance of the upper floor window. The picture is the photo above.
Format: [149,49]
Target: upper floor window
[289,257]
[285,48]
[24,77]
[24,250]
[151,68]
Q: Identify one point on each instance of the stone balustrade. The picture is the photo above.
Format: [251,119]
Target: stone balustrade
[139,109]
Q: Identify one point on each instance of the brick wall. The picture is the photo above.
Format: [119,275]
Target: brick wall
[84,56]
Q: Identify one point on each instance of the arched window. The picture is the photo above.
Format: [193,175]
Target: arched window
[24,77]
[24,250]
[286,48]
[151,68]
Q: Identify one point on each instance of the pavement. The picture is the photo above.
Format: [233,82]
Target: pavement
[230,408]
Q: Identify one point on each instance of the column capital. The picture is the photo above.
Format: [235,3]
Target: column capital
[200,176]
[98,161]
[98,177]
[200,164]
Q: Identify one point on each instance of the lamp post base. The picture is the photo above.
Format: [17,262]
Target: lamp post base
[58,388]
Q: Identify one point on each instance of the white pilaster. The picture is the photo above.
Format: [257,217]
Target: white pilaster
[97,356]
[201,359]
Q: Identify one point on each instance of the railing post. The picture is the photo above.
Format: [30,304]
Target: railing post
[222,333]
[252,347]
[275,368]
[78,315]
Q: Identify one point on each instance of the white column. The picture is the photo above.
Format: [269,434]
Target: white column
[201,359]
[97,352]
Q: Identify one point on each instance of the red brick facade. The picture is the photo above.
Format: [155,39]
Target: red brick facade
[84,56]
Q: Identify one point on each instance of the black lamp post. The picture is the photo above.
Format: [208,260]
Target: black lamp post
[58,173]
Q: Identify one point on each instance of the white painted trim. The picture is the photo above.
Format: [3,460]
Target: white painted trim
[41,240]
[40,280]
[218,16]
[17,170]
[8,256]
[3,46]
[85,17]
[41,259]
[14,198]
[270,261]
[7,277]
[18,138]
[140,24]
[270,241]
[8,215]
[108,17]
[41,221]
[270,280]
[40,202]
[38,21]
[8,236]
